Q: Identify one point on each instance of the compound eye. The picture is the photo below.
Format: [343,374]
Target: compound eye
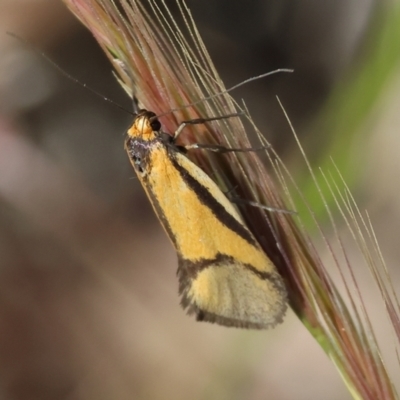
[155,125]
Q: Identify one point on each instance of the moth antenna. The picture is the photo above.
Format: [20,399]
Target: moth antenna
[67,75]
[245,82]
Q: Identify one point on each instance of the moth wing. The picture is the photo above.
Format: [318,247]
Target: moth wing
[232,294]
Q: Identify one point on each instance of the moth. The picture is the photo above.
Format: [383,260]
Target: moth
[224,275]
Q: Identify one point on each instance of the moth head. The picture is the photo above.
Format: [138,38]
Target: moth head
[145,126]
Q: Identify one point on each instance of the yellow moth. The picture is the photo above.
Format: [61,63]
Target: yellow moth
[224,276]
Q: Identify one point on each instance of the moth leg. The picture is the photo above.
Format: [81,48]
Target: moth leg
[223,149]
[203,121]
[238,200]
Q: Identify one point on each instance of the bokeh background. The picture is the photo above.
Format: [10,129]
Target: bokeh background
[88,296]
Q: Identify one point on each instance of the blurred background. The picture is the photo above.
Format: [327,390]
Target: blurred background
[89,307]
